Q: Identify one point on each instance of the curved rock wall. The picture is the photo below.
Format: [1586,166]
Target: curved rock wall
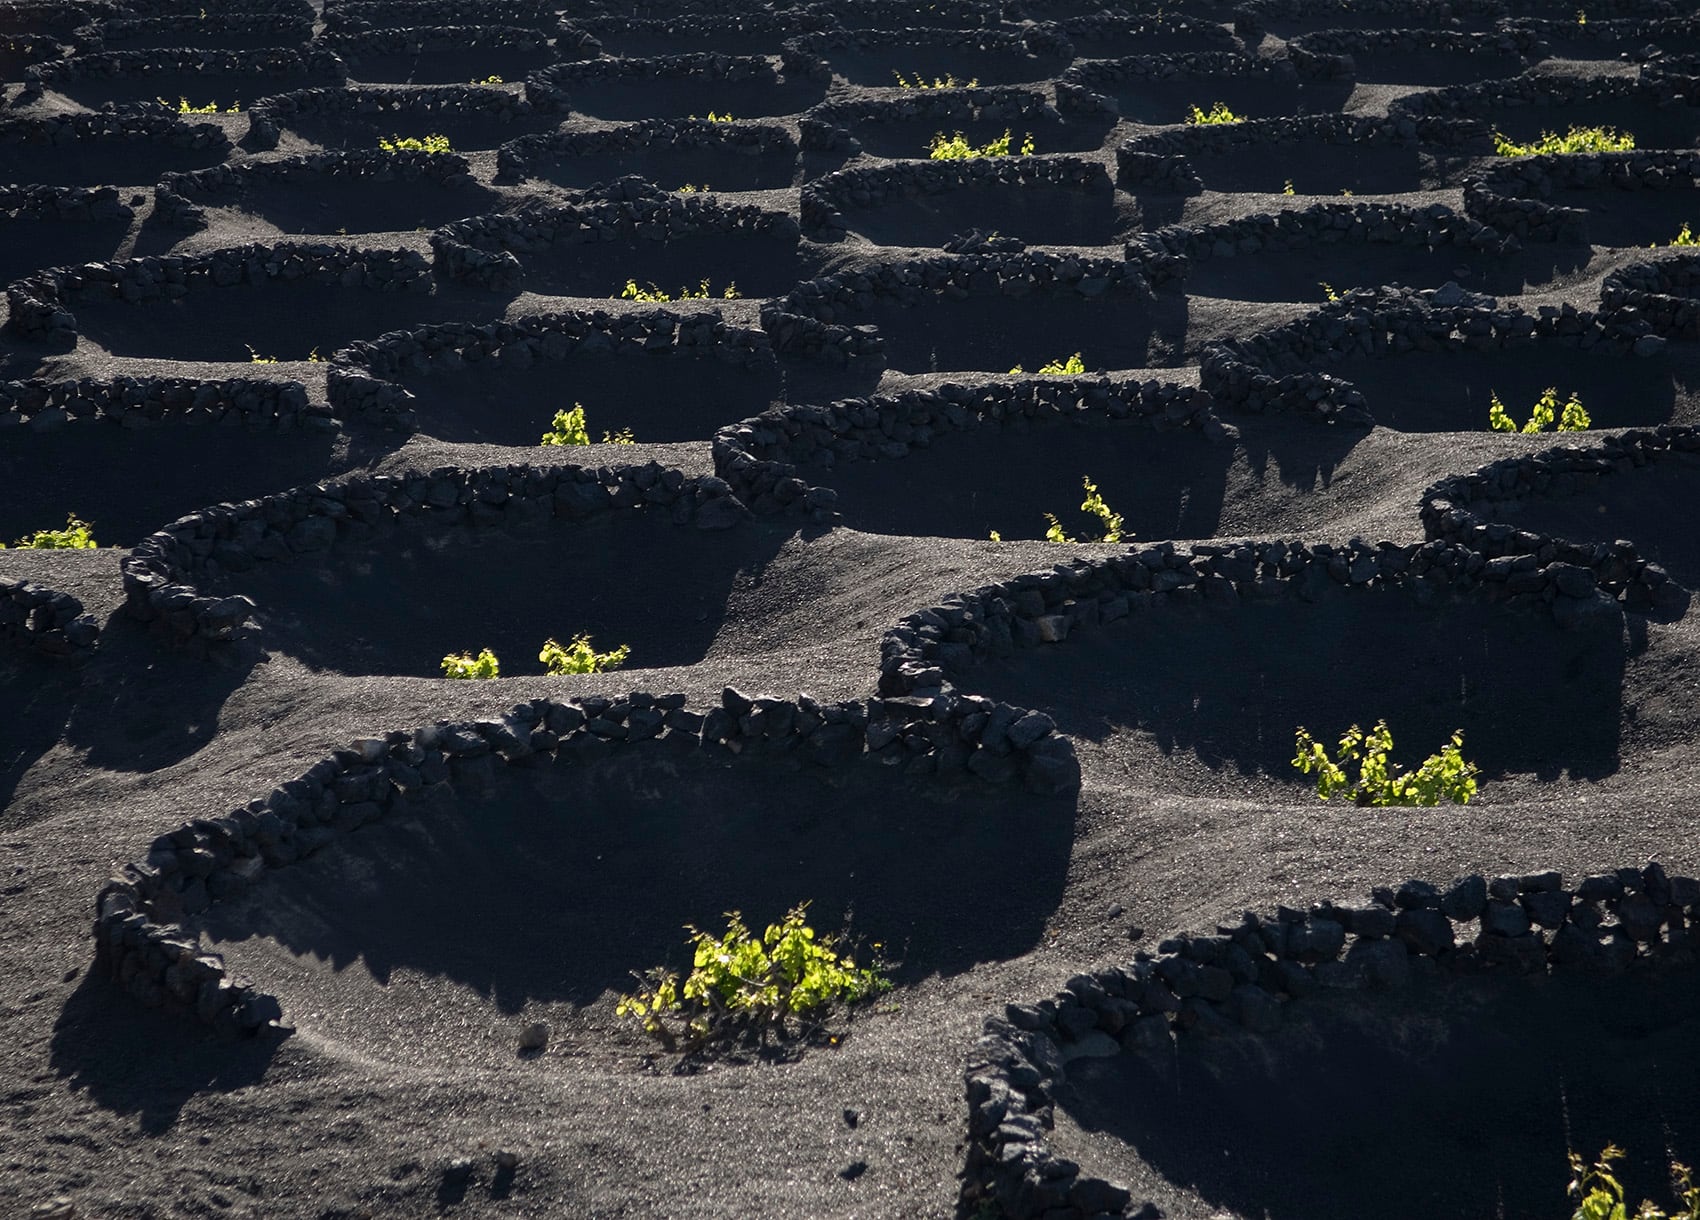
[1246,974]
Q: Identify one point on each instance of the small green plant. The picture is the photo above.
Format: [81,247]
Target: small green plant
[691,188]
[996,537]
[1576,140]
[78,535]
[1443,775]
[492,79]
[1328,290]
[255,357]
[957,147]
[569,428]
[184,106]
[465,665]
[1219,113]
[938,82]
[1686,237]
[418,144]
[702,292]
[1110,523]
[728,117]
[1071,366]
[578,657]
[1599,1194]
[1581,17]
[741,984]
[1287,187]
[1572,417]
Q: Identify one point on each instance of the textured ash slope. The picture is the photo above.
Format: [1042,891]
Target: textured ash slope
[407,979]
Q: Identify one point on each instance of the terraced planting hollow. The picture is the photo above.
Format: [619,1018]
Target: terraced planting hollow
[489,489]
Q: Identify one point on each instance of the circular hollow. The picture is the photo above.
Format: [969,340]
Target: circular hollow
[1318,167]
[729,33]
[1160,90]
[1633,218]
[103,149]
[1648,505]
[637,93]
[877,66]
[449,65]
[1449,390]
[520,895]
[1652,125]
[400,602]
[127,482]
[659,400]
[1185,697]
[473,119]
[1309,273]
[29,243]
[1041,213]
[1571,1063]
[754,264]
[316,199]
[674,158]
[1164,484]
[883,132]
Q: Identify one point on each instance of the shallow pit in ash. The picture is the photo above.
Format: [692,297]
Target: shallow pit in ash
[1456,1097]
[660,399]
[1191,694]
[1650,506]
[128,482]
[1164,484]
[1450,390]
[519,892]
[400,603]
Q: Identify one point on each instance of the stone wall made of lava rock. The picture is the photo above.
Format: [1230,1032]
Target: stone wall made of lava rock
[808,56]
[1459,508]
[141,945]
[407,105]
[1251,19]
[789,23]
[482,250]
[139,402]
[62,203]
[253,71]
[1635,34]
[1277,369]
[827,127]
[180,197]
[825,199]
[896,14]
[1512,196]
[1104,27]
[552,87]
[1098,75]
[1328,54]
[925,649]
[806,320]
[360,381]
[760,456]
[50,16]
[515,160]
[1467,101]
[278,29]
[89,129]
[1164,254]
[41,304]
[382,14]
[161,572]
[1663,294]
[1159,159]
[1244,976]
[355,44]
[45,620]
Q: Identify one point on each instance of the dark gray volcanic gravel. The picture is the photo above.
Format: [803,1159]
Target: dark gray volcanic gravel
[409,957]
